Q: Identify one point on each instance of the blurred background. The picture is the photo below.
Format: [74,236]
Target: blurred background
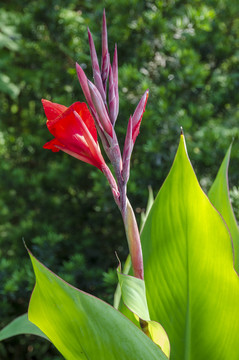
[185,52]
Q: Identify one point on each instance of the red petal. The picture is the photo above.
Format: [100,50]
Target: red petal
[83,111]
[68,131]
[75,138]
[51,145]
[52,110]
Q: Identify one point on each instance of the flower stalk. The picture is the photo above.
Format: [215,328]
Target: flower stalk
[133,238]
[75,132]
[105,111]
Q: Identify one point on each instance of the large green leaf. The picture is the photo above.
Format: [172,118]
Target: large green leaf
[192,287]
[220,198]
[19,326]
[82,326]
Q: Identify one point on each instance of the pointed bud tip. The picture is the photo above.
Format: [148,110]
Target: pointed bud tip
[89,33]
[78,67]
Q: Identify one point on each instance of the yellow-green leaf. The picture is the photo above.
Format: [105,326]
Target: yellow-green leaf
[191,285]
[220,198]
[83,327]
[134,298]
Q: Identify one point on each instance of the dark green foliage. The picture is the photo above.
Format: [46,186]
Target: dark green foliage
[185,52]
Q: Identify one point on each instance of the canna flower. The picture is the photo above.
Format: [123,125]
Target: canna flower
[74,132]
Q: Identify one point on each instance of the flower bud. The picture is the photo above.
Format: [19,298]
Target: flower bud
[100,109]
[138,114]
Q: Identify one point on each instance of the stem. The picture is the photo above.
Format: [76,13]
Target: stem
[114,188]
[132,233]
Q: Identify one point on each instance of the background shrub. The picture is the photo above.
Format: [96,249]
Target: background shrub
[185,52]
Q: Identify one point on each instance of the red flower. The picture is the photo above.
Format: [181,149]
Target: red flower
[74,132]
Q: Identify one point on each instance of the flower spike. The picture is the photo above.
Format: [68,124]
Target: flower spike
[105,115]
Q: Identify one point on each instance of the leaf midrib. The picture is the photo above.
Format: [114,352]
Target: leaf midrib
[187,336]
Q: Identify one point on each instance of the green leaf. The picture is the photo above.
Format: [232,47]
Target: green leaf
[134,297]
[117,294]
[191,285]
[220,198]
[82,326]
[19,326]
[133,294]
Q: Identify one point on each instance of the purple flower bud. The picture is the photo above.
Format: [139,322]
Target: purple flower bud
[115,81]
[112,99]
[95,67]
[138,114]
[128,148]
[105,59]
[84,85]
[100,109]
[85,88]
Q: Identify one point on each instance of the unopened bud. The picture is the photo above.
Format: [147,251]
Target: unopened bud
[105,58]
[96,68]
[115,81]
[100,109]
[138,114]
[128,147]
[112,99]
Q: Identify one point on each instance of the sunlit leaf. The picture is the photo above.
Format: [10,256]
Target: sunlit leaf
[191,285]
[82,326]
[220,198]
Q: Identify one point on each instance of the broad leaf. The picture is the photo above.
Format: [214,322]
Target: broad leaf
[191,285]
[220,198]
[82,326]
[20,326]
